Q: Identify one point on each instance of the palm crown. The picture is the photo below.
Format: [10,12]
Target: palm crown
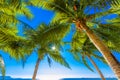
[67,13]
[45,37]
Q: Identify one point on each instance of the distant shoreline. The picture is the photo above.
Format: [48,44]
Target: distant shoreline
[87,79]
[11,78]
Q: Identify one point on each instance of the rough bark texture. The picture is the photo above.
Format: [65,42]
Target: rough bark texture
[96,67]
[112,62]
[36,69]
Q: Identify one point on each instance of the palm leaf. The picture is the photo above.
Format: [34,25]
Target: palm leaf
[108,33]
[49,61]
[2,67]
[86,64]
[9,10]
[75,54]
[58,58]
[46,34]
[15,45]
[97,57]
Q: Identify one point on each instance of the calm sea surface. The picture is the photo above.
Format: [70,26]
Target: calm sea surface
[10,78]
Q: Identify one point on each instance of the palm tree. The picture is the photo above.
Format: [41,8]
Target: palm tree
[82,48]
[16,46]
[11,10]
[45,37]
[55,55]
[10,41]
[80,44]
[2,66]
[79,13]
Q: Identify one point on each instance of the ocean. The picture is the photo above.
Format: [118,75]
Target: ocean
[87,79]
[10,78]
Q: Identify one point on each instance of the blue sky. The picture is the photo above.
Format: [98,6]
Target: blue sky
[15,69]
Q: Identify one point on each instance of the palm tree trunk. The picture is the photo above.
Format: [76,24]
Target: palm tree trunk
[111,60]
[36,69]
[98,70]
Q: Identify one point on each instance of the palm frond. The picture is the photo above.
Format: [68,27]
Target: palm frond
[111,10]
[49,33]
[58,58]
[9,10]
[7,19]
[110,35]
[75,54]
[78,40]
[15,45]
[49,61]
[86,63]
[82,51]
[63,18]
[2,67]
[65,7]
[24,10]
[97,57]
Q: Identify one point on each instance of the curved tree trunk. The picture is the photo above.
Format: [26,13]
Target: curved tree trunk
[96,67]
[111,60]
[36,69]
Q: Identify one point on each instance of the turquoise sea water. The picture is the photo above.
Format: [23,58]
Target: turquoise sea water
[88,79]
[10,78]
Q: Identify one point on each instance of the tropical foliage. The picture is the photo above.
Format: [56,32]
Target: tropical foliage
[110,35]
[16,46]
[10,42]
[10,10]
[45,37]
[81,46]
[83,50]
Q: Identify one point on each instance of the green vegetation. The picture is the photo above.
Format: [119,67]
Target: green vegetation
[44,38]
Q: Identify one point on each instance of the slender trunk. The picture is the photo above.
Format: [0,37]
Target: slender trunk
[96,67]
[111,60]
[36,69]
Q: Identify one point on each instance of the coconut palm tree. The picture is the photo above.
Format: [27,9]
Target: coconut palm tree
[81,44]
[50,54]
[48,38]
[16,46]
[82,48]
[79,12]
